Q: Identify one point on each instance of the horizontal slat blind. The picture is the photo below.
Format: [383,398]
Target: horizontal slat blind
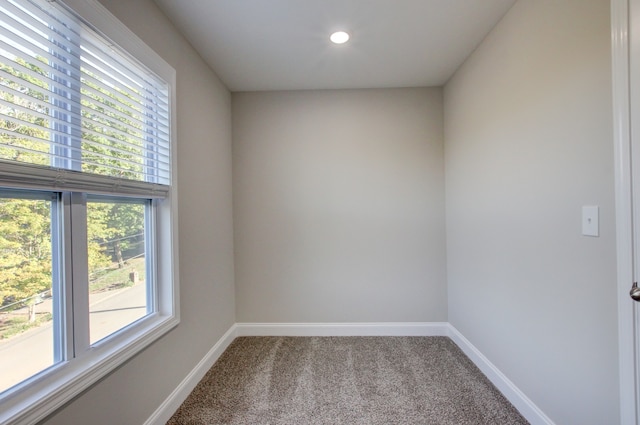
[71,100]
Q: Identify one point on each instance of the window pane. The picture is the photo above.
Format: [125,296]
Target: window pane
[26,289]
[117,265]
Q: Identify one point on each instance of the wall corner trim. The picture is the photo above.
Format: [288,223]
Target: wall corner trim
[168,407]
[525,406]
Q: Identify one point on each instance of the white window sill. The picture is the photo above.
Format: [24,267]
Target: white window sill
[38,397]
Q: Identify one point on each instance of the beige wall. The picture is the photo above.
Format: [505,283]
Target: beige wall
[339,206]
[133,392]
[528,142]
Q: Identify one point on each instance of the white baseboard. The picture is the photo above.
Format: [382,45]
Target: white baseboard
[525,406]
[164,412]
[343,329]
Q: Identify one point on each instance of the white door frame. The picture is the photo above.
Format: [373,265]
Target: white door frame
[620,39]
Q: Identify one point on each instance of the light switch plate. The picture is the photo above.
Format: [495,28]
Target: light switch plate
[590,219]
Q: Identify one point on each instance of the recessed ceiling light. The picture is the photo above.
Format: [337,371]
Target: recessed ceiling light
[339,37]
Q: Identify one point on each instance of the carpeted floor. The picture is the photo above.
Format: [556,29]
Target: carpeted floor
[345,380]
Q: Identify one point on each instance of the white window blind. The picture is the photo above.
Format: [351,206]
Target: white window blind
[75,111]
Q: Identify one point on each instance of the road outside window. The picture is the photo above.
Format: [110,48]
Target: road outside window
[26,301]
[117,266]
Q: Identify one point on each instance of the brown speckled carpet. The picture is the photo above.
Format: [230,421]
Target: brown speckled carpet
[345,380]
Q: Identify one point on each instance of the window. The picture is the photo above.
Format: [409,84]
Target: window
[118,295]
[87,201]
[27,221]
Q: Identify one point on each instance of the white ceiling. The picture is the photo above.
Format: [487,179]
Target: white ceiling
[284,44]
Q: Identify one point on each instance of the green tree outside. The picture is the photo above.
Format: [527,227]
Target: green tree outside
[108,142]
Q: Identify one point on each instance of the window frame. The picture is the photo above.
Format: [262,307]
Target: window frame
[39,396]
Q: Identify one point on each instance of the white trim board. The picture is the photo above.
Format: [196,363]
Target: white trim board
[168,407]
[343,329]
[525,406]
[624,48]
